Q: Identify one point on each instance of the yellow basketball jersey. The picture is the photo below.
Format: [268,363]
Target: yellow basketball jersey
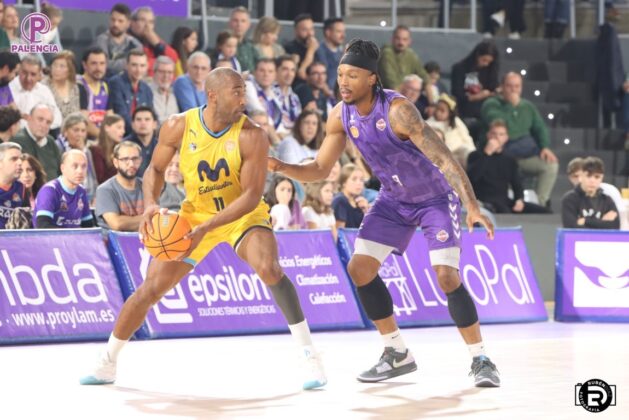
[210,163]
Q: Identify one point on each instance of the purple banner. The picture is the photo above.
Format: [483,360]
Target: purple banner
[497,273]
[56,285]
[160,7]
[223,295]
[592,272]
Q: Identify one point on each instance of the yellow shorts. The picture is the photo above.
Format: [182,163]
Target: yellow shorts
[231,233]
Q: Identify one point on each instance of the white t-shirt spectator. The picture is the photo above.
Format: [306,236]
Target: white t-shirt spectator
[323,221]
[290,151]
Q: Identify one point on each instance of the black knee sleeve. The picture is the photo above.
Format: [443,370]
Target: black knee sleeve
[376,299]
[462,308]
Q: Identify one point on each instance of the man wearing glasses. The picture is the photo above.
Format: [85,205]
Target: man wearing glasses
[119,200]
[189,88]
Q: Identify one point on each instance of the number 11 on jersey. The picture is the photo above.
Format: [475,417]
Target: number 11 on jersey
[219,203]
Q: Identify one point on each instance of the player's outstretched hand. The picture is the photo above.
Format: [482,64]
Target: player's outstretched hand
[146,225]
[273,164]
[475,216]
[196,235]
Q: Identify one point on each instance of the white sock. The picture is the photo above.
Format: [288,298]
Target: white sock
[114,346]
[301,335]
[394,340]
[477,349]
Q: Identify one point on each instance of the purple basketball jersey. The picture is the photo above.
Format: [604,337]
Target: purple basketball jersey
[10,198]
[406,174]
[96,102]
[67,209]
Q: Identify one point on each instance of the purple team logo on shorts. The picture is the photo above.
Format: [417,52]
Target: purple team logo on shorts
[34,27]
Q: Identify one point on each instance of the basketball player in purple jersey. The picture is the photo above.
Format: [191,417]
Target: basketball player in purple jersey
[421,186]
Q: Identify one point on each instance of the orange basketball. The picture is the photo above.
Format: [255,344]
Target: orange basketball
[167,242]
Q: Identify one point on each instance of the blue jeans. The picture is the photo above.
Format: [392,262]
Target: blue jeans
[557,11]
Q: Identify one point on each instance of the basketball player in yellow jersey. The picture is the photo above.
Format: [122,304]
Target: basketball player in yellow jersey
[223,162]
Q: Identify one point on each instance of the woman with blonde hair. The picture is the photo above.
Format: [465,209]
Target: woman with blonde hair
[317,209]
[111,133]
[70,98]
[265,38]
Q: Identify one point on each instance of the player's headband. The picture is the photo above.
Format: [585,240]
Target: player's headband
[362,61]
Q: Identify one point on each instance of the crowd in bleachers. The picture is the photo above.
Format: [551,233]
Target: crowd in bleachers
[78,132]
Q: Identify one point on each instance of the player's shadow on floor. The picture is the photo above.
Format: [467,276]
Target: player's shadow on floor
[196,407]
[404,408]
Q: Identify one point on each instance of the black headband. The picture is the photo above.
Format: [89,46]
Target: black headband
[362,61]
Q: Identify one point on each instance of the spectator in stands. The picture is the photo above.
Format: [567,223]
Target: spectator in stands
[492,173]
[223,63]
[63,202]
[12,194]
[332,47]
[575,171]
[456,135]
[287,99]
[164,100]
[144,134]
[127,91]
[625,110]
[349,205]
[398,60]
[119,200]
[335,176]
[63,85]
[32,176]
[475,78]
[27,91]
[285,208]
[260,92]
[116,42]
[556,18]
[411,88]
[35,139]
[94,87]
[173,193]
[8,70]
[434,74]
[587,206]
[316,91]
[528,135]
[239,24]
[9,123]
[317,210]
[497,12]
[10,24]
[190,88]
[111,133]
[226,49]
[55,16]
[185,41]
[143,28]
[265,37]
[262,119]
[4,38]
[304,46]
[305,140]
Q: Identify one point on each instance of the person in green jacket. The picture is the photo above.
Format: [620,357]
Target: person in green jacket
[4,38]
[529,142]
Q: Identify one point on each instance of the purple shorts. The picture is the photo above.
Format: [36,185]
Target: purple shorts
[392,223]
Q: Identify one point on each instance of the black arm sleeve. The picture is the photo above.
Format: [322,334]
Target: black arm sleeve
[45,222]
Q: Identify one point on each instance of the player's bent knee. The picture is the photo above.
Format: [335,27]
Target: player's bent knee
[269,271]
[360,273]
[448,278]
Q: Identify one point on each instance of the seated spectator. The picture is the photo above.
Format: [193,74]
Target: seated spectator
[260,92]
[287,99]
[625,111]
[9,123]
[164,100]
[63,202]
[305,140]
[35,139]
[304,46]
[223,63]
[111,134]
[239,24]
[28,91]
[492,173]
[349,205]
[265,38]
[411,88]
[332,48]
[315,91]
[93,86]
[4,38]
[285,209]
[335,177]
[456,135]
[226,49]
[55,17]
[143,28]
[434,75]
[62,83]
[475,78]
[116,42]
[173,193]
[587,206]
[128,91]
[119,200]
[8,70]
[11,24]
[144,135]
[575,172]
[317,208]
[190,88]
[32,176]
[262,119]
[185,41]
[13,193]
[528,135]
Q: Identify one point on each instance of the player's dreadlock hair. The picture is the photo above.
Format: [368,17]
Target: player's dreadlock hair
[370,51]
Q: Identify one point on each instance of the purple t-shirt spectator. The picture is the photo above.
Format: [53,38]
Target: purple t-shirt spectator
[67,208]
[6,97]
[9,199]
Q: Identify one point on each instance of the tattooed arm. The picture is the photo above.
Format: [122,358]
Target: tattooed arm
[408,124]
